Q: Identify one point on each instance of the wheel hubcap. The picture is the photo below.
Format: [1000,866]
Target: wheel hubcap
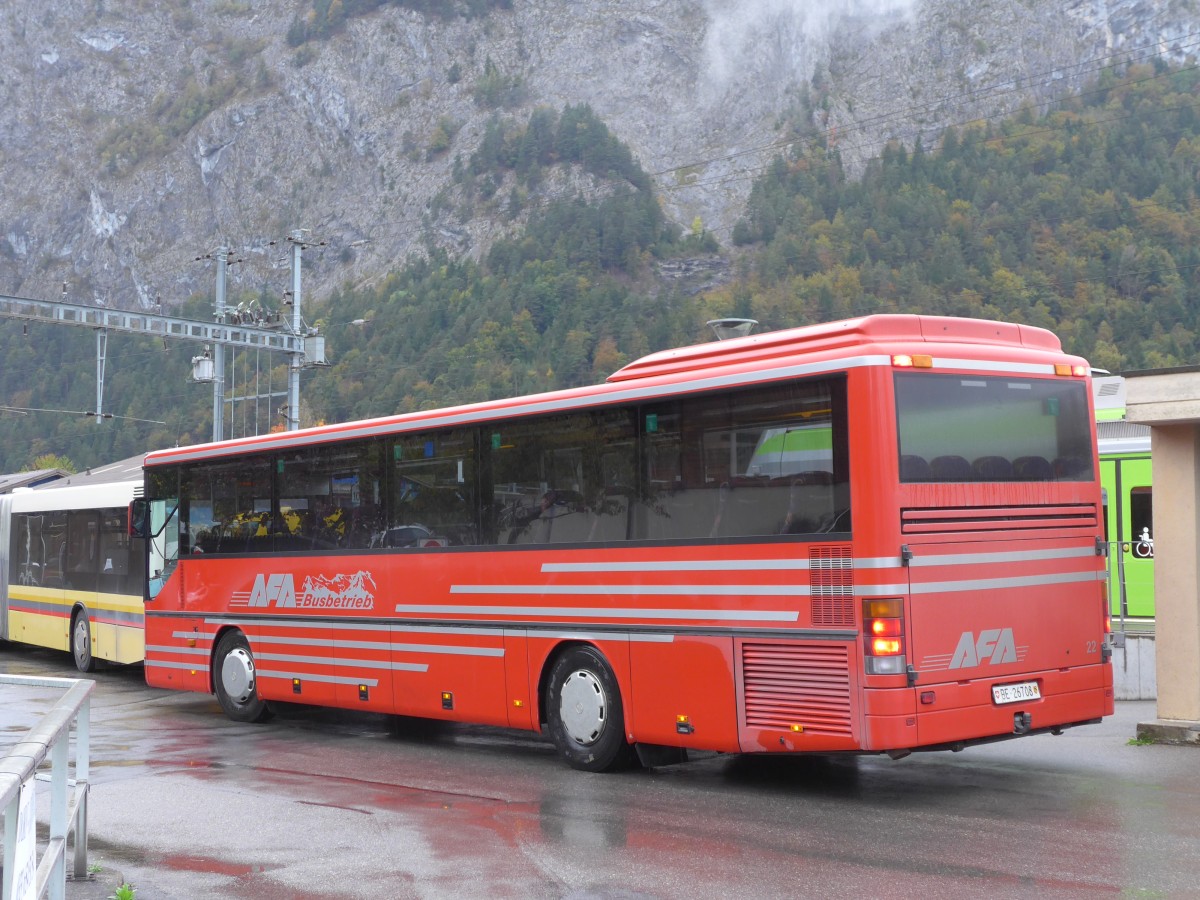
[83,640]
[237,675]
[583,707]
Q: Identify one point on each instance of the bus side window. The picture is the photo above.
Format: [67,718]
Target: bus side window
[83,550]
[433,489]
[763,462]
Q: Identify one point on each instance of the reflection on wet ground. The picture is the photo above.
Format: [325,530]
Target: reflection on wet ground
[321,803]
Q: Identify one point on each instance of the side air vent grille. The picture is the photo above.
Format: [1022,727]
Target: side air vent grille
[998,518]
[797,684]
[831,585]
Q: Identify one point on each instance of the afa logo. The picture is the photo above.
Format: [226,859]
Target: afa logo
[994,644]
[355,591]
[277,589]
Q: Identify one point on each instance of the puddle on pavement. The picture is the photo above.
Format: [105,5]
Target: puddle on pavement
[178,862]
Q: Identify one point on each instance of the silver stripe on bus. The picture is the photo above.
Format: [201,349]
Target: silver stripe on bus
[979,584]
[698,565]
[165,664]
[941,662]
[660,590]
[992,584]
[608,397]
[878,562]
[966,559]
[593,636]
[190,635]
[446,629]
[345,663]
[188,651]
[378,645]
[382,627]
[1002,367]
[444,648]
[723,615]
[323,679]
[765,565]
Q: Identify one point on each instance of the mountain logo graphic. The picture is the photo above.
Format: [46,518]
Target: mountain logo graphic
[340,591]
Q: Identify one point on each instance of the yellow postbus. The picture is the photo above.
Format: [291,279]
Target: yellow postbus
[70,576]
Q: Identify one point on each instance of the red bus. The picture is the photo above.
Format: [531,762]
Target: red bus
[874,535]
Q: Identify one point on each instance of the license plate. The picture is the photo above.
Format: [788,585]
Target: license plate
[1015,693]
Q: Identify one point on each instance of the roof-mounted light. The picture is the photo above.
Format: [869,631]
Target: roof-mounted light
[1068,369]
[912,361]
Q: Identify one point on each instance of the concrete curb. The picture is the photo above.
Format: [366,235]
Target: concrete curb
[1169,731]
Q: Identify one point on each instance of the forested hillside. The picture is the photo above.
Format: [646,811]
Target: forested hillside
[1081,218]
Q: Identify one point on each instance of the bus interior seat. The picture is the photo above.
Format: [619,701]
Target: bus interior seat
[951,468]
[814,476]
[993,468]
[808,504]
[1070,467]
[1032,468]
[914,468]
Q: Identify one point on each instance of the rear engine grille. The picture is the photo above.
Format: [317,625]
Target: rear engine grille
[797,684]
[997,518]
[831,585]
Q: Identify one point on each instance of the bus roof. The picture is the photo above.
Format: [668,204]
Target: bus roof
[731,363]
[76,497]
[836,335]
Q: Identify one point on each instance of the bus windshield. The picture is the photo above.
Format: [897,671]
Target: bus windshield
[957,428]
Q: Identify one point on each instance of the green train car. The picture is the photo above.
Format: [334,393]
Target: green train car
[1125,475]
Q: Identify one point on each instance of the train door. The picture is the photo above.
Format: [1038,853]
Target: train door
[1130,523]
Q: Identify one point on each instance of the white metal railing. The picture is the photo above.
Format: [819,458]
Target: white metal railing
[68,812]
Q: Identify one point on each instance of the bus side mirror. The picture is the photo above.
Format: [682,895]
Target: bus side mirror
[139,519]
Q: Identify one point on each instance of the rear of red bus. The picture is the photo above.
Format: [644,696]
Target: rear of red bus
[984,609]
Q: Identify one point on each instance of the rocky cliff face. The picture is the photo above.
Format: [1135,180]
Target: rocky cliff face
[137,136]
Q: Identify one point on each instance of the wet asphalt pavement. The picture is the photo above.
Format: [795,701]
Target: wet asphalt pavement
[186,804]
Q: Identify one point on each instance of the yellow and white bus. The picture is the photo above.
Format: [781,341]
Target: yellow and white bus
[70,576]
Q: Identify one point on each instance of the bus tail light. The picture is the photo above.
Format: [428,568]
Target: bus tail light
[883,636]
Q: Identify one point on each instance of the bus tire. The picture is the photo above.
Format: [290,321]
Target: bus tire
[584,712]
[235,679]
[81,641]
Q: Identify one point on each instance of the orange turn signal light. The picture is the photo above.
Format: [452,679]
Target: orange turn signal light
[885,647]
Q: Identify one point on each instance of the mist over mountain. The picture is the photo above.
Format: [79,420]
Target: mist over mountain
[136,136]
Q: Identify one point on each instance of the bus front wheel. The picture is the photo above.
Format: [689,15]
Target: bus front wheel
[235,680]
[584,712]
[81,642]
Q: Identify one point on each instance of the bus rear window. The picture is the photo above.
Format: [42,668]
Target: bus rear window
[955,428]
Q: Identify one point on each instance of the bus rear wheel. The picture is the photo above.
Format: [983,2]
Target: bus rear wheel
[81,642]
[235,680]
[584,712]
